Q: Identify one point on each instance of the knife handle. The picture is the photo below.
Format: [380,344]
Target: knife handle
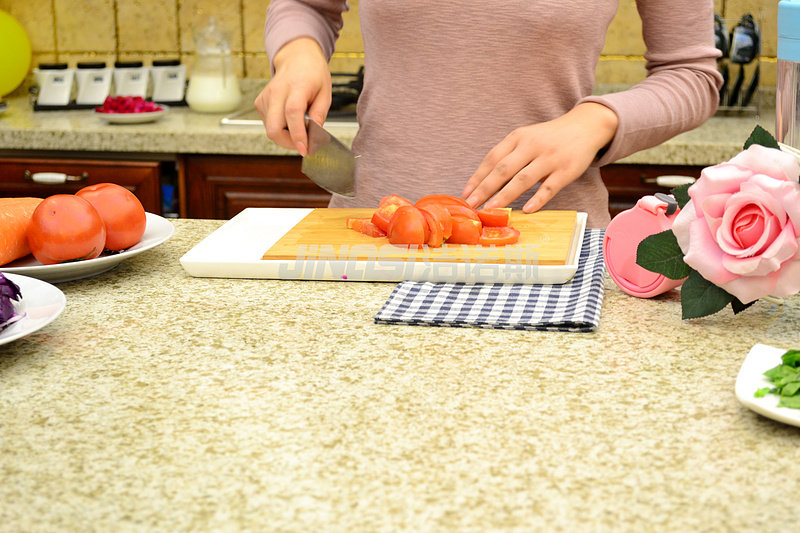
[737,86]
[751,89]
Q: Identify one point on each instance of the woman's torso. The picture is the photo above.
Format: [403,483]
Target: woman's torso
[446,81]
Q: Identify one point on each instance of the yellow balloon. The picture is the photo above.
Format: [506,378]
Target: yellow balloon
[15,53]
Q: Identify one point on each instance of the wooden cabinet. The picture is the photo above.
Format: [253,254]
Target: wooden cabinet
[143,178]
[219,186]
[627,183]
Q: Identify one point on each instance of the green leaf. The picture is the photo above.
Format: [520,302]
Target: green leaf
[762,137]
[681,194]
[781,374]
[760,393]
[792,376]
[790,401]
[700,297]
[738,306]
[790,389]
[660,253]
[791,358]
[777,372]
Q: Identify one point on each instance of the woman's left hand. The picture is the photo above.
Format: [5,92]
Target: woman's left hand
[555,153]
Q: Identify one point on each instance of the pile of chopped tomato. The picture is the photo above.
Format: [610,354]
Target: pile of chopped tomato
[437,219]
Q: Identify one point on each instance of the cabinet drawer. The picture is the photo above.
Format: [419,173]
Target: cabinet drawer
[222,186]
[143,178]
[626,184]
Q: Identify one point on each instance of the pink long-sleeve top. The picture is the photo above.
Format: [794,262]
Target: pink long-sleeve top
[446,81]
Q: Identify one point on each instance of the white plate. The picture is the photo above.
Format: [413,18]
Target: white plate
[235,251]
[751,378]
[41,303]
[158,230]
[132,118]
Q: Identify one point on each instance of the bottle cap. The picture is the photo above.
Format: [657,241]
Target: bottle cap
[128,64]
[166,62]
[91,64]
[789,30]
[53,66]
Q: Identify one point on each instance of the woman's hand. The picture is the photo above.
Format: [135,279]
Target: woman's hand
[301,84]
[555,153]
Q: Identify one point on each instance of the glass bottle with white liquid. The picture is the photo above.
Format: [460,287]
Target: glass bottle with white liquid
[213,85]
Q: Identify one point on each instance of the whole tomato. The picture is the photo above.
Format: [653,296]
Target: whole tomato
[65,227]
[122,213]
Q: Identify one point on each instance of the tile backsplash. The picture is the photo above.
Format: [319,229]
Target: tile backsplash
[108,30]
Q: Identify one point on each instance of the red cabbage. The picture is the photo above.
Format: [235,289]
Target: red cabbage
[8,291]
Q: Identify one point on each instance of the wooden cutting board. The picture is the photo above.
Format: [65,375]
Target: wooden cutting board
[545,239]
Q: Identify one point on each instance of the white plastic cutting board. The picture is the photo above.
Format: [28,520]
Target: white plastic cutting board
[236,249]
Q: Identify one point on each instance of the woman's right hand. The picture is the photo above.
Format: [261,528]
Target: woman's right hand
[301,84]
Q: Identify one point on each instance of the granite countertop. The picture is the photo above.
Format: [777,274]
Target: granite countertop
[183,131]
[162,402]
[180,131]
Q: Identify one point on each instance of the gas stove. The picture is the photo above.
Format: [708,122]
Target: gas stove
[345,91]
[346,88]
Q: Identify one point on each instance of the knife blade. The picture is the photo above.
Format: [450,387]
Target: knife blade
[329,163]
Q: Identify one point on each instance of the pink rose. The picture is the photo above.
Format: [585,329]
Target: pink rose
[741,228]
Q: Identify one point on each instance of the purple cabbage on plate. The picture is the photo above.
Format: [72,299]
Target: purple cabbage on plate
[8,291]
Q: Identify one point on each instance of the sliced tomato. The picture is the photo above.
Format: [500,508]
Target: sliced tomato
[442,217]
[461,211]
[495,217]
[393,199]
[365,226]
[465,231]
[356,223]
[435,235]
[386,208]
[442,199]
[408,226]
[498,236]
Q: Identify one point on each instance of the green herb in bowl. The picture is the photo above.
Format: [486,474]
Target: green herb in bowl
[786,380]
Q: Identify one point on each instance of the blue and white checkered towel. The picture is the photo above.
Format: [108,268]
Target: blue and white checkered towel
[572,306]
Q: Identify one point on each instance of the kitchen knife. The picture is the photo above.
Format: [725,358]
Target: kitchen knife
[751,89]
[329,163]
[745,47]
[722,43]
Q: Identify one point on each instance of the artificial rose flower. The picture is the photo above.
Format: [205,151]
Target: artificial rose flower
[741,228]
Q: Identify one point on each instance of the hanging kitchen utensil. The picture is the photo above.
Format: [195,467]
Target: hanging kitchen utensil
[751,89]
[745,47]
[329,163]
[722,42]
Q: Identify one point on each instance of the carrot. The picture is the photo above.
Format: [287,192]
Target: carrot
[15,217]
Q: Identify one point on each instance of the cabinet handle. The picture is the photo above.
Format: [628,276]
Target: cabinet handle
[53,177]
[669,181]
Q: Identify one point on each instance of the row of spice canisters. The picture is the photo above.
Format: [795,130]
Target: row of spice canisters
[90,83]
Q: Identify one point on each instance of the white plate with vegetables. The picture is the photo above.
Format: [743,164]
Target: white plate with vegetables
[40,304]
[157,230]
[753,387]
[131,118]
[129,110]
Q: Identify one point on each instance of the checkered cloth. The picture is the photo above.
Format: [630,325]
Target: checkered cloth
[572,306]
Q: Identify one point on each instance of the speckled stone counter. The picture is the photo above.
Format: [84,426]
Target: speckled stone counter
[161,402]
[183,131]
